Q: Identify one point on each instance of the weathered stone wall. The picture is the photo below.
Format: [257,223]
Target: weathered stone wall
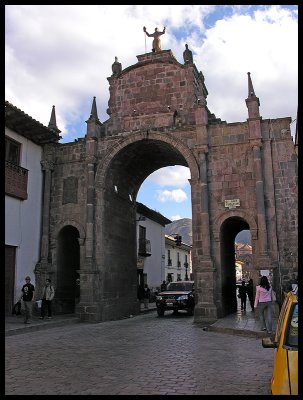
[153,94]
[68,204]
[285,176]
[159,117]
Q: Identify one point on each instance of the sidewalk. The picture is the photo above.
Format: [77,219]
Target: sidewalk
[244,323]
[14,324]
[240,323]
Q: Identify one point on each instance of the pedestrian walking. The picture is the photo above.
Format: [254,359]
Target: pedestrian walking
[163,286]
[243,295]
[48,294]
[77,291]
[250,293]
[263,301]
[146,295]
[28,297]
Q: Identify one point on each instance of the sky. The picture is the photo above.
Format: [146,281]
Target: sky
[62,55]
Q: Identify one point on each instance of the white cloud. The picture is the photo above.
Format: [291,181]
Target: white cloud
[177,195]
[265,44]
[175,217]
[171,176]
[62,55]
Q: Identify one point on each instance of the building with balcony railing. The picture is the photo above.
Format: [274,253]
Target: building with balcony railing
[24,181]
[151,246]
[178,264]
[15,181]
[144,248]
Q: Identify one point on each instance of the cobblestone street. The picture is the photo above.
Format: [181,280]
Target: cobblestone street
[143,355]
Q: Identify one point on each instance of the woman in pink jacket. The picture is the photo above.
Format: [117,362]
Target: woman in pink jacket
[263,301]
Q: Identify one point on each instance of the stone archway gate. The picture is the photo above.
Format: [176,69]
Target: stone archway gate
[159,117]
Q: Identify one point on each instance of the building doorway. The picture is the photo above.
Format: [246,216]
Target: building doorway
[229,230]
[68,262]
[10,261]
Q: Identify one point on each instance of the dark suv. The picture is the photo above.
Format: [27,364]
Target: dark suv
[177,296]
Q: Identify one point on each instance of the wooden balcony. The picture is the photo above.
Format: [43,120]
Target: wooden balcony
[16,181]
[144,248]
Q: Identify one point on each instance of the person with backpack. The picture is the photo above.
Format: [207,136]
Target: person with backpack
[48,294]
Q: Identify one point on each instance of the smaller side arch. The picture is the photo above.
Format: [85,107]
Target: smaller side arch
[67,259]
[73,223]
[248,217]
[225,228]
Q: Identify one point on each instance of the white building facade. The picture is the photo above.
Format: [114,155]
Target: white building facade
[151,247]
[178,261]
[24,139]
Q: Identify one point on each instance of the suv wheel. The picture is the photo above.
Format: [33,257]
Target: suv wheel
[160,311]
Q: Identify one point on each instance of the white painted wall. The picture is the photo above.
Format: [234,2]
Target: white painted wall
[23,218]
[154,266]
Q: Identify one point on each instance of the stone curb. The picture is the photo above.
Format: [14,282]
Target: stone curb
[40,327]
[239,332]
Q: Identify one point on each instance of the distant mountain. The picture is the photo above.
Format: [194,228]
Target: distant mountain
[183,227]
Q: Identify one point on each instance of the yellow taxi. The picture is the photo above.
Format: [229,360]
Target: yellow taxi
[284,379]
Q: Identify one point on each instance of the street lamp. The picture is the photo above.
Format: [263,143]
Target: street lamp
[186,266]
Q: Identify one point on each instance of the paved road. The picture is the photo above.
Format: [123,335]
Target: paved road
[143,355]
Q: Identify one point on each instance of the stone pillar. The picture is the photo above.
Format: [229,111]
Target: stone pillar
[270,194]
[88,309]
[262,230]
[261,260]
[43,267]
[47,167]
[204,205]
[90,212]
[205,309]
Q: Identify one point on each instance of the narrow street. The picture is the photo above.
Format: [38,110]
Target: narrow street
[143,355]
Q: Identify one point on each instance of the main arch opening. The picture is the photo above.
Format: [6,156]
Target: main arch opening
[167,192]
[124,176]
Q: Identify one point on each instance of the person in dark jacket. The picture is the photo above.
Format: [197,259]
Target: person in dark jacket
[28,297]
[243,295]
[250,293]
[163,286]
